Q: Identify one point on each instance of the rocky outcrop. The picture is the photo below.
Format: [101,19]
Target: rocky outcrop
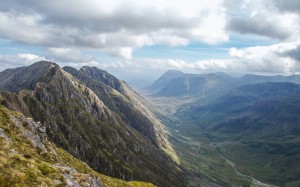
[79,118]
[125,102]
[27,158]
[74,179]
[35,132]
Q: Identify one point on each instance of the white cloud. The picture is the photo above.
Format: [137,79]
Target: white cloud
[124,52]
[22,59]
[273,59]
[67,55]
[264,18]
[117,26]
[29,58]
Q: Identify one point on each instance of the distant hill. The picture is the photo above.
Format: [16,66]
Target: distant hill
[177,84]
[256,126]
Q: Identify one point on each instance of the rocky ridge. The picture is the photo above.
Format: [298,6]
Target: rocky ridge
[80,119]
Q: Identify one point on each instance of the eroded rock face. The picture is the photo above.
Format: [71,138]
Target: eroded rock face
[3,135]
[35,132]
[79,120]
[27,141]
[75,179]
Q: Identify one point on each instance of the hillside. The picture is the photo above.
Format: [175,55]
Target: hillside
[206,86]
[93,121]
[27,158]
[257,127]
[129,105]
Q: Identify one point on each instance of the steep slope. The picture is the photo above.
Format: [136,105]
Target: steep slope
[81,123]
[126,103]
[164,79]
[257,127]
[27,158]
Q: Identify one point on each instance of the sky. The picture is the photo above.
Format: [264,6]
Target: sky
[138,40]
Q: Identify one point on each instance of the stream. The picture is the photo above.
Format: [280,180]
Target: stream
[255,181]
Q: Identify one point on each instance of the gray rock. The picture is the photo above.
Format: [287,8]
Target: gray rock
[31,131]
[3,135]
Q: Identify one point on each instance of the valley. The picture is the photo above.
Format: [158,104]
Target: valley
[186,130]
[150,93]
[246,136]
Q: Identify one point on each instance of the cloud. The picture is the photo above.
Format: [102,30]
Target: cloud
[22,59]
[124,52]
[259,25]
[67,55]
[116,26]
[266,59]
[289,6]
[274,59]
[270,18]
[294,53]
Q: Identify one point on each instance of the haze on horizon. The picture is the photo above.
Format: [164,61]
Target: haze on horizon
[139,40]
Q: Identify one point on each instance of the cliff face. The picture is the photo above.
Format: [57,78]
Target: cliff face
[93,119]
[27,158]
[125,102]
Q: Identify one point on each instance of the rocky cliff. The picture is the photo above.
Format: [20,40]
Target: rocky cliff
[93,118]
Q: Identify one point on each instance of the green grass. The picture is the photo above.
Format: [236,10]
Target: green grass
[204,162]
[23,165]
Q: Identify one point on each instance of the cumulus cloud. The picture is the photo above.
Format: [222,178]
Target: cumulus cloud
[274,59]
[294,53]
[266,59]
[67,55]
[22,59]
[270,18]
[289,6]
[116,26]
[124,52]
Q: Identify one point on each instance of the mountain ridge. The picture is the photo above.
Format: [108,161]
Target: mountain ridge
[28,158]
[214,84]
[105,141]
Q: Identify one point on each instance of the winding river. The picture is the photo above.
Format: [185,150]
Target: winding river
[255,181]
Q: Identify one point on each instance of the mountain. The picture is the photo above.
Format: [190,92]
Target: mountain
[256,126]
[94,117]
[27,158]
[208,86]
[177,84]
[129,105]
[164,79]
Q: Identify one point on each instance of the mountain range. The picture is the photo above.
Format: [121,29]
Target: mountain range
[96,118]
[174,83]
[249,122]
[84,127]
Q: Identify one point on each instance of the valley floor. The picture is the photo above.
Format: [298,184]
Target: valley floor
[203,159]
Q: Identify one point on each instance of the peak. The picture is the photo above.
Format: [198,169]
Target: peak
[27,77]
[221,73]
[44,63]
[173,72]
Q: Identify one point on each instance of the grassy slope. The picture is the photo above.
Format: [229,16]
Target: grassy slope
[200,158]
[23,165]
[270,155]
[204,165]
